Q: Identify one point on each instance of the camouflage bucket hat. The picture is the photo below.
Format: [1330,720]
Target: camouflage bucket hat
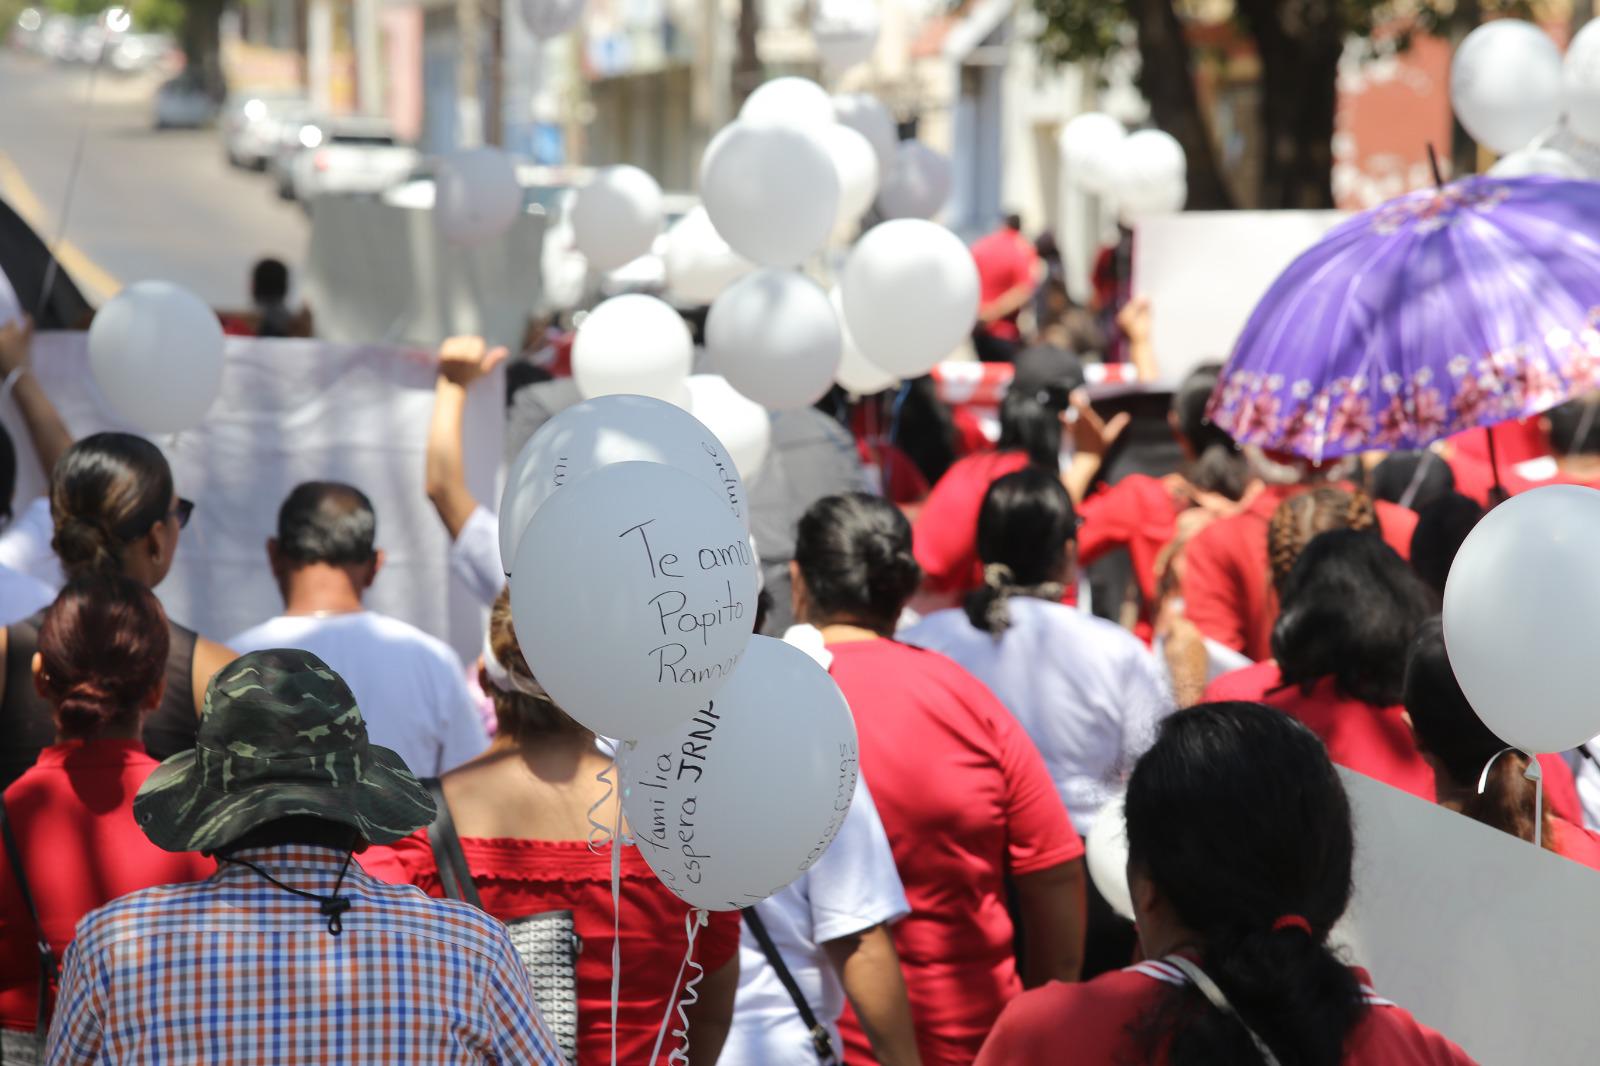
[280,735]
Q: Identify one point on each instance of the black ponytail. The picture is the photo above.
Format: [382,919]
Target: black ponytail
[1239,819]
[854,551]
[1024,527]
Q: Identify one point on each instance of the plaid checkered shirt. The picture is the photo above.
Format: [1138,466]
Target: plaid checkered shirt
[235,970]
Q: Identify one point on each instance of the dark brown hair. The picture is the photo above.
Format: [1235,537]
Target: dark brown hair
[520,715]
[1301,517]
[103,650]
[105,493]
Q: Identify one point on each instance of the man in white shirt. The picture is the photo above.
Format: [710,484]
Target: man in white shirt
[411,687]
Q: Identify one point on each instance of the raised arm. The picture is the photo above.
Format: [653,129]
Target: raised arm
[462,362]
[49,433]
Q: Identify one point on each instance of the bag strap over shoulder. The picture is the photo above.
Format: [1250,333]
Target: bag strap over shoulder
[49,968]
[447,853]
[821,1039]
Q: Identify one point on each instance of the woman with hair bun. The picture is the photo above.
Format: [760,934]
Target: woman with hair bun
[1240,848]
[115,514]
[102,651]
[964,795]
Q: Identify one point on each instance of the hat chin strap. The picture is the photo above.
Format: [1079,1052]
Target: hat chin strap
[332,907]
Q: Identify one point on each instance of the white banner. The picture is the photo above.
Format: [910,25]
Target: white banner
[293,411]
[1205,271]
[1482,936]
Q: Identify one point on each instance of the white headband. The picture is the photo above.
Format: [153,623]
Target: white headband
[503,679]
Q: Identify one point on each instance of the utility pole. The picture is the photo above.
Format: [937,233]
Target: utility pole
[369,86]
[494,116]
[469,107]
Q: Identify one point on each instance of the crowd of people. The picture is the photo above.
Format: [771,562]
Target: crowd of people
[328,837]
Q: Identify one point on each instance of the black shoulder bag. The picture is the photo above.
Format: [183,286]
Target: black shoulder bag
[49,968]
[821,1039]
[547,942]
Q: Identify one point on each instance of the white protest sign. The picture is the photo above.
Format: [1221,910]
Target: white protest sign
[633,594]
[737,803]
[1204,272]
[292,411]
[1482,936]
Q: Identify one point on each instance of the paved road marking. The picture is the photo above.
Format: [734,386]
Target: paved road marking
[89,275]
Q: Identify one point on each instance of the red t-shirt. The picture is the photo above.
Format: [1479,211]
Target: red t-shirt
[1574,841]
[1515,442]
[965,800]
[72,814]
[1099,1021]
[945,536]
[1375,741]
[1005,260]
[1137,513]
[516,878]
[1227,582]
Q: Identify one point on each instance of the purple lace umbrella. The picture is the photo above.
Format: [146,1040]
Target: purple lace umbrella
[1439,311]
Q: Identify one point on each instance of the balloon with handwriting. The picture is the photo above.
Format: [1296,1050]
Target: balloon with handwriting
[606,430]
[632,343]
[633,595]
[155,350]
[736,803]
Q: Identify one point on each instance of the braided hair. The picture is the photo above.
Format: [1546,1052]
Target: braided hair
[1301,517]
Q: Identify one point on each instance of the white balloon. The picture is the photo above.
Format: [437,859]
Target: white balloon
[551,18]
[476,195]
[743,426]
[1089,146]
[1150,175]
[1506,83]
[735,804]
[616,217]
[857,166]
[910,295]
[632,343]
[917,185]
[866,115]
[606,430]
[775,338]
[1580,79]
[1533,161]
[155,350]
[856,374]
[1521,608]
[845,32]
[771,191]
[798,102]
[699,262]
[633,593]
[1107,855]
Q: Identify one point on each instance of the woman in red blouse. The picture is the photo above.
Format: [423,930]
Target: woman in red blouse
[522,812]
[100,665]
[1458,746]
[964,795]
[1350,610]
[1240,849]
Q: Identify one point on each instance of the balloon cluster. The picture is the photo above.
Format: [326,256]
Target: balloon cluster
[633,594]
[1143,173]
[1516,95]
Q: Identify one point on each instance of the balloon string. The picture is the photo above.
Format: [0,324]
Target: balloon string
[53,266]
[691,995]
[600,833]
[616,927]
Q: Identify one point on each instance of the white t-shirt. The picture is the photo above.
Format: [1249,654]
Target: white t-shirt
[475,556]
[1086,690]
[851,888]
[21,595]
[410,687]
[25,544]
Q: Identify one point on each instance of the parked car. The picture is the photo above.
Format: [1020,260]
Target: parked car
[296,132]
[252,125]
[182,103]
[350,156]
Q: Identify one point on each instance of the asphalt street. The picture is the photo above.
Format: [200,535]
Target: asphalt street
[148,203]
